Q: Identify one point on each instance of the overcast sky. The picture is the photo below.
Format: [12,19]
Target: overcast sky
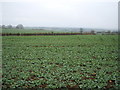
[61,13]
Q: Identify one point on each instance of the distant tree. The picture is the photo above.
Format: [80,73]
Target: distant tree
[109,32]
[92,32]
[81,30]
[3,26]
[19,26]
[0,26]
[9,26]
[103,32]
[52,32]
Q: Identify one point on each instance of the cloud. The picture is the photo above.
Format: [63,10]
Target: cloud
[71,13]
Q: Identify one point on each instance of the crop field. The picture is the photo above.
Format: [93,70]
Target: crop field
[74,61]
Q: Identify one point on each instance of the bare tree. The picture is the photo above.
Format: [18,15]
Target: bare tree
[9,26]
[3,26]
[81,30]
[109,32]
[92,32]
[19,26]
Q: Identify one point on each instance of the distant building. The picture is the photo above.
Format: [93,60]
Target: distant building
[115,32]
[106,32]
[99,33]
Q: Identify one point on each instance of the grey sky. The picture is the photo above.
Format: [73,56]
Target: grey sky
[59,13]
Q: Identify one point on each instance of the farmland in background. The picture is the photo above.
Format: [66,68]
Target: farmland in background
[14,31]
[37,32]
[75,61]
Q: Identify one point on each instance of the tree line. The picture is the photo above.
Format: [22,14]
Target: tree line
[19,26]
[81,31]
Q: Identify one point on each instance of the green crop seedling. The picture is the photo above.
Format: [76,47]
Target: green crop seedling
[73,61]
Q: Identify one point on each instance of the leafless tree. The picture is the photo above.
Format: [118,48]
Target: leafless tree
[81,30]
[9,26]
[3,26]
[92,32]
[109,32]
[19,26]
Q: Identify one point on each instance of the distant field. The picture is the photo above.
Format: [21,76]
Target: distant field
[80,61]
[26,31]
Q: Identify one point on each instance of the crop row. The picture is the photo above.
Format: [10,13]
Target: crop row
[60,61]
